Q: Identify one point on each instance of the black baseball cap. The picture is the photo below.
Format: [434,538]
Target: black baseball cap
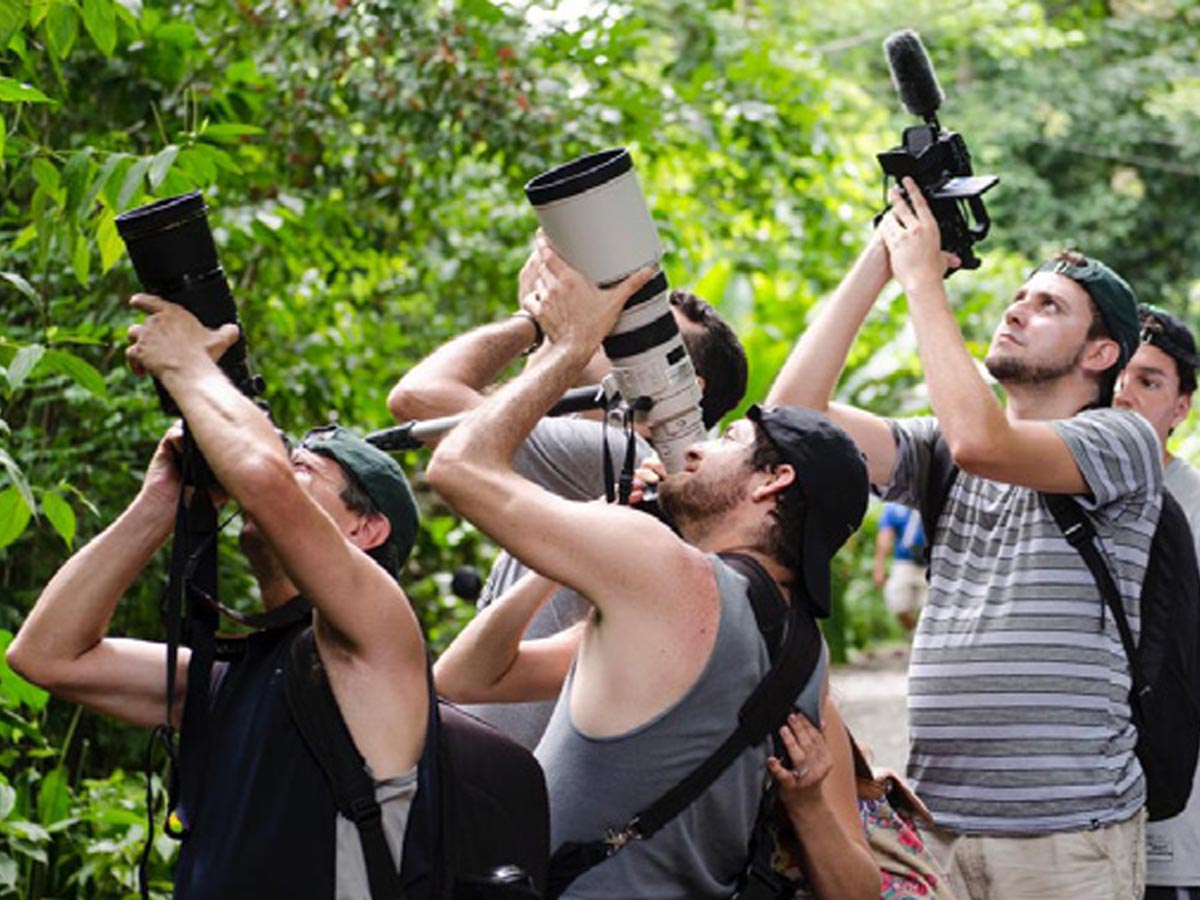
[1170,335]
[831,475]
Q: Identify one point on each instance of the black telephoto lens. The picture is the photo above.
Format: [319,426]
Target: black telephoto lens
[174,256]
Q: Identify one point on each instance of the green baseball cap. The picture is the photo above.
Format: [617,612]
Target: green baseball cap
[1111,293]
[378,474]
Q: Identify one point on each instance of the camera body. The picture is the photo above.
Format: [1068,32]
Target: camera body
[174,256]
[595,216]
[940,163]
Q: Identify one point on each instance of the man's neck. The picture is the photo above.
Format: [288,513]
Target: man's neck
[1059,399]
[276,590]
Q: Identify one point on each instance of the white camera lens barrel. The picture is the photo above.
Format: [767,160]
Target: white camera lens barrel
[595,216]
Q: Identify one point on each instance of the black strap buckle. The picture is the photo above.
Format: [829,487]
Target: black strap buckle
[616,840]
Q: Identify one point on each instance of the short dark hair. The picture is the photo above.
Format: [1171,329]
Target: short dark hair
[359,502]
[1097,330]
[716,353]
[783,541]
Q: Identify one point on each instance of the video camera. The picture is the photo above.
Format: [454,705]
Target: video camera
[174,256]
[937,159]
[595,216]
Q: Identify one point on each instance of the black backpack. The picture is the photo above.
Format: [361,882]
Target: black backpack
[1165,662]
[478,828]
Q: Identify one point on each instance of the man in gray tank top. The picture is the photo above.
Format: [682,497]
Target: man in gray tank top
[563,455]
[670,651]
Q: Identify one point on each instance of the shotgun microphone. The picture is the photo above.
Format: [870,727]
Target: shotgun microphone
[912,74]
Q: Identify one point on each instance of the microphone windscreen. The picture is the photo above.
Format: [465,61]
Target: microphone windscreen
[912,73]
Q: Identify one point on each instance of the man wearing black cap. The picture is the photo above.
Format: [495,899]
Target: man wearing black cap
[1022,742]
[656,675]
[1158,383]
[563,454]
[264,824]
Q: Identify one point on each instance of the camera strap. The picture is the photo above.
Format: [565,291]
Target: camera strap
[619,488]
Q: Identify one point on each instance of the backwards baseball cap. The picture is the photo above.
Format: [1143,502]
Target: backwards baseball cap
[831,475]
[1109,291]
[378,474]
[1170,335]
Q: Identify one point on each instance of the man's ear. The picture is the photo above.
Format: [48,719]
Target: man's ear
[777,481]
[1101,356]
[1183,406]
[370,531]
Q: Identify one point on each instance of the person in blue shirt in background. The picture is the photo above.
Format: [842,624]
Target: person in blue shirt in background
[901,536]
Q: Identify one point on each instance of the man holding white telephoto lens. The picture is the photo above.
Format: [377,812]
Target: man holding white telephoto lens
[565,455]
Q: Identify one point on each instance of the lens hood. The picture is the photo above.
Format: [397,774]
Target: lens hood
[595,216]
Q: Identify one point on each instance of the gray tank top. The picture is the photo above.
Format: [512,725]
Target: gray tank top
[598,783]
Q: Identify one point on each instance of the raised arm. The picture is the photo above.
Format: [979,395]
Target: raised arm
[453,378]
[982,439]
[368,634]
[810,374]
[595,549]
[489,663]
[63,644]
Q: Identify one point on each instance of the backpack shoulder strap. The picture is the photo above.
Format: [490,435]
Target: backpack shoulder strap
[319,721]
[1077,528]
[798,641]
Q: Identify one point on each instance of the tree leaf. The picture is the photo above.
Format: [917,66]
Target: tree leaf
[131,9]
[131,187]
[227,132]
[54,798]
[22,364]
[108,240]
[13,91]
[62,28]
[60,515]
[161,164]
[18,479]
[8,866]
[13,16]
[81,259]
[37,11]
[21,285]
[100,19]
[45,173]
[14,515]
[8,799]
[78,370]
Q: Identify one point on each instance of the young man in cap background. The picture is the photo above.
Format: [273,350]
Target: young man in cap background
[265,825]
[1022,743]
[671,649]
[563,454]
[1158,383]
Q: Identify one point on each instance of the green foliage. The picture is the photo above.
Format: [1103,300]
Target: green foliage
[61,834]
[364,163]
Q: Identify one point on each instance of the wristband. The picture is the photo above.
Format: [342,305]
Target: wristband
[539,336]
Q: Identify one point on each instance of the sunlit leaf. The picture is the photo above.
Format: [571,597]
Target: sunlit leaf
[13,91]
[14,515]
[22,364]
[100,19]
[60,516]
[78,370]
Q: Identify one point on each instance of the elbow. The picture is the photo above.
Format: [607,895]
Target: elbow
[32,666]
[447,468]
[403,401]
[974,454]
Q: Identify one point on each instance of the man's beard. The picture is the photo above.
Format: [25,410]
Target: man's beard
[696,502]
[1007,370]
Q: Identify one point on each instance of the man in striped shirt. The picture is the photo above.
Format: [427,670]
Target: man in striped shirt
[1022,744]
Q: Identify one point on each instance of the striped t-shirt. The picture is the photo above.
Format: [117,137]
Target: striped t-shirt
[1018,684]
